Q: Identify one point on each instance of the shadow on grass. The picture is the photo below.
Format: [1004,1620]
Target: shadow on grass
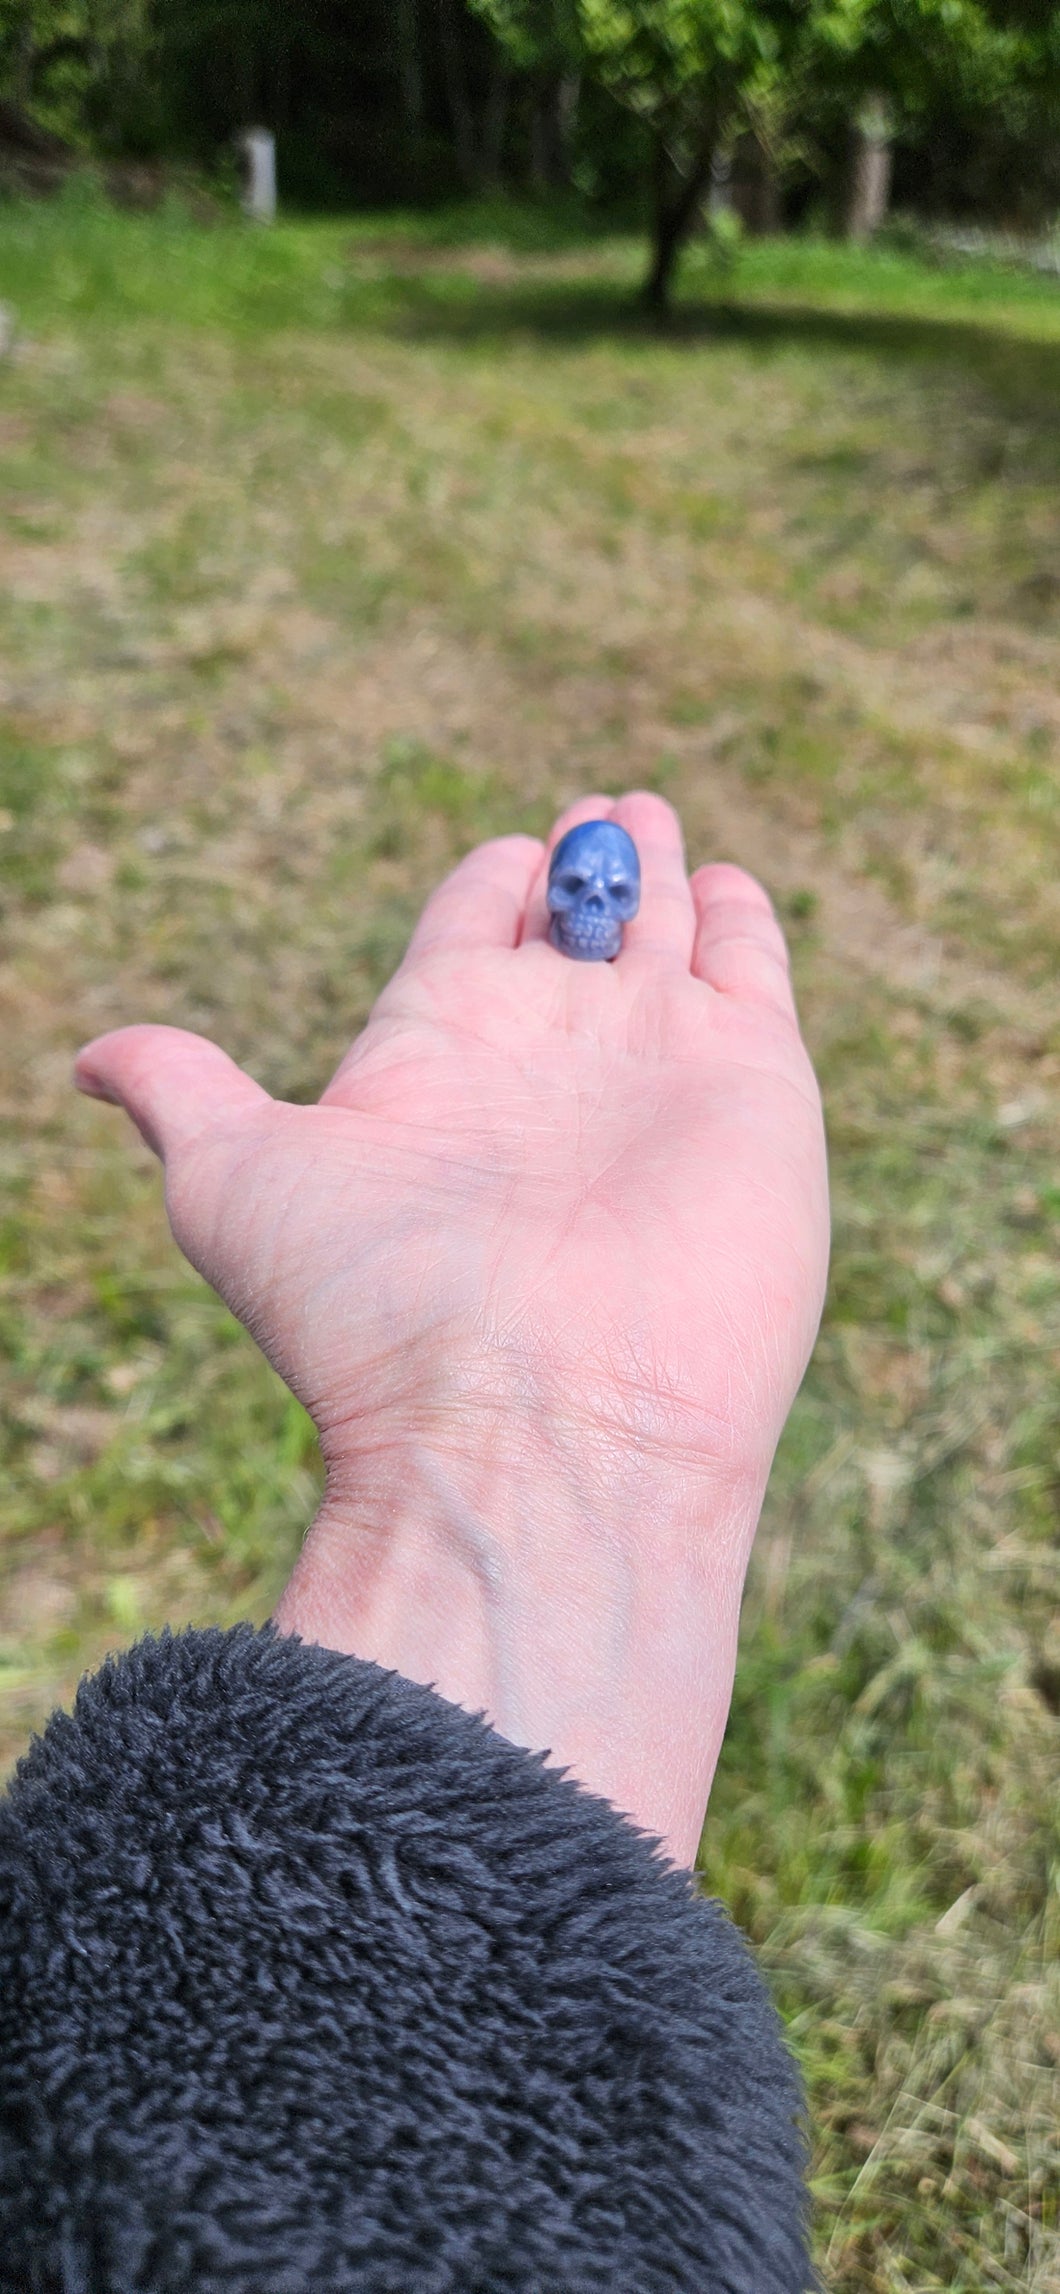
[1022,373]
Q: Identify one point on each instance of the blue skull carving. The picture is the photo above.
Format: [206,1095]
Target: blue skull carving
[593,889]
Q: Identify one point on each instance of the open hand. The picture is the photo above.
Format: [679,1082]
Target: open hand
[545,1265]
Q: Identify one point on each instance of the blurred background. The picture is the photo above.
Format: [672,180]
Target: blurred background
[661,394]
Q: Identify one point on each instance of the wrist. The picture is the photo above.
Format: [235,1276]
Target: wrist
[575,1589]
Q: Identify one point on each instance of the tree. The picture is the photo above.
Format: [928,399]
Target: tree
[699,74]
[691,71]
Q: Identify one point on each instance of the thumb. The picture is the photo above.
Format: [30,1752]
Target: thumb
[173,1084]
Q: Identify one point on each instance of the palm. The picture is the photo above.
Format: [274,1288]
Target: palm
[604,1180]
[610,1176]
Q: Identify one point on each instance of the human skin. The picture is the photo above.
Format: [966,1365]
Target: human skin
[545,1265]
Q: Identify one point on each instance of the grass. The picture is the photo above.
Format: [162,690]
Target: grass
[329,550]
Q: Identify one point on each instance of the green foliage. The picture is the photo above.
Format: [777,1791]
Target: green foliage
[536,33]
[666,59]
[911,51]
[76,64]
[723,239]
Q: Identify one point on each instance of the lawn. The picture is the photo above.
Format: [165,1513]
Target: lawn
[330,550]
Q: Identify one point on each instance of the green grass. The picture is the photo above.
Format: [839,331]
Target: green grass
[329,550]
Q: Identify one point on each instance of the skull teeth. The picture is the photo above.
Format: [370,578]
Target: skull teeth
[591,935]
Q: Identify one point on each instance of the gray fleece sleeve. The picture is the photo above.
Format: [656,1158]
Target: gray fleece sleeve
[311,1983]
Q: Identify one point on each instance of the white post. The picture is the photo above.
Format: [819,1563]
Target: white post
[258,149]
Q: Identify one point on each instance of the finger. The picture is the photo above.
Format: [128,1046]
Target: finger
[665,923]
[537,920]
[740,948]
[483,902]
[173,1084]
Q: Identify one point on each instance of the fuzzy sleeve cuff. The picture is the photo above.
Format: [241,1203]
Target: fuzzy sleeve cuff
[311,1983]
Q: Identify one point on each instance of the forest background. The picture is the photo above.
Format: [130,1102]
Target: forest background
[779,112]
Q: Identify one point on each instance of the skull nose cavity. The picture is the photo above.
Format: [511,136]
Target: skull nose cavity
[595,902]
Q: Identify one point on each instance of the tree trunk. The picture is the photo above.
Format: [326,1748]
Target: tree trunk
[244,74]
[494,123]
[410,62]
[25,59]
[676,207]
[552,126]
[567,101]
[756,196]
[870,185]
[769,212]
[279,105]
[541,135]
[456,91]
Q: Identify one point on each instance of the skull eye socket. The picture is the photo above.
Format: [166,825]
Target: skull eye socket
[619,891]
[569,882]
